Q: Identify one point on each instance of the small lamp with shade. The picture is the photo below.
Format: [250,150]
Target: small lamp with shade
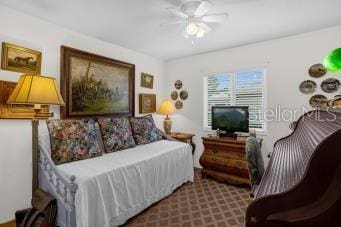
[167,108]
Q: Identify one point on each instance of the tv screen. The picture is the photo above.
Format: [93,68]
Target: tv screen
[230,118]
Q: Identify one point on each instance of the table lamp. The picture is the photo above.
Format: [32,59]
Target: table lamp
[36,90]
[167,108]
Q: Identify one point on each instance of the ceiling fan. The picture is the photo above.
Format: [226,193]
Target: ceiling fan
[195,17]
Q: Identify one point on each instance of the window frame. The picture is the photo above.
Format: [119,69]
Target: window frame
[262,131]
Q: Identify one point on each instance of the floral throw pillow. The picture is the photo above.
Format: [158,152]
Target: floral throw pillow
[144,130]
[72,140]
[116,133]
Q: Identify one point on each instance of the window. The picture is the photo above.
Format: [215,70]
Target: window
[244,88]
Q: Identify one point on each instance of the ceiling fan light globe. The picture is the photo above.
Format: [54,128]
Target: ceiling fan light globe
[192,28]
[200,35]
[200,32]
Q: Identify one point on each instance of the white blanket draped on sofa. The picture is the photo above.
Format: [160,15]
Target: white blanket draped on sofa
[119,185]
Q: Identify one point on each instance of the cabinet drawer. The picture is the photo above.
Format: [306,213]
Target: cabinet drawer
[234,154]
[224,146]
[232,166]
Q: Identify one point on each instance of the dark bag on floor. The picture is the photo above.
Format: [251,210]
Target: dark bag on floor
[43,212]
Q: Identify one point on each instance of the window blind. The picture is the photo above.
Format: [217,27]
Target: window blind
[219,90]
[249,92]
[245,88]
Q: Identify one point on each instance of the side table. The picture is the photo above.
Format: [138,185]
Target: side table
[184,137]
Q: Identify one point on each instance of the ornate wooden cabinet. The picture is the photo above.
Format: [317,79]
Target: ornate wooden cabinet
[224,160]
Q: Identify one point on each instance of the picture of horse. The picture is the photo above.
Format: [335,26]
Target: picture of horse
[20,59]
[147,80]
[93,85]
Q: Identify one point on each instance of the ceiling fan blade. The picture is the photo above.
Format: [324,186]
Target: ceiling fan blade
[205,27]
[176,22]
[177,12]
[202,8]
[215,18]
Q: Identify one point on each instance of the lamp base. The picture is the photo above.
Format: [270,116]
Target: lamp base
[167,125]
[35,155]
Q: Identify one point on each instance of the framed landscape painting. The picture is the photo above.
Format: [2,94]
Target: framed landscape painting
[20,59]
[94,85]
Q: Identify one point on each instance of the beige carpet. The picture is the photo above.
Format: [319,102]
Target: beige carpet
[205,202]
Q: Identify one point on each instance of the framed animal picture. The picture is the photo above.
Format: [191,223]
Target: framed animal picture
[147,103]
[93,85]
[147,80]
[20,59]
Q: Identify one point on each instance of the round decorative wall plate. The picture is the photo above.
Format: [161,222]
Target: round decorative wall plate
[318,101]
[174,95]
[183,94]
[317,71]
[335,103]
[178,84]
[178,104]
[308,87]
[330,85]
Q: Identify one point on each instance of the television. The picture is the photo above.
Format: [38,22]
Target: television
[230,119]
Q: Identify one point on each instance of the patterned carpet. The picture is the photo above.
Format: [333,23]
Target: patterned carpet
[205,202]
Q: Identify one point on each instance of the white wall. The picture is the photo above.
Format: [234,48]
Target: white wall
[286,61]
[15,135]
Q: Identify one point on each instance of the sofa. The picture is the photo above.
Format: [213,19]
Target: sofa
[115,180]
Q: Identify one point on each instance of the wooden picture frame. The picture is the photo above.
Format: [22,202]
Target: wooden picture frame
[147,80]
[93,85]
[17,111]
[147,103]
[20,59]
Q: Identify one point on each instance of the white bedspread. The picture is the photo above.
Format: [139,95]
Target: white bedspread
[119,185]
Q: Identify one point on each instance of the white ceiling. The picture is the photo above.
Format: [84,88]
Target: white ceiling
[135,24]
